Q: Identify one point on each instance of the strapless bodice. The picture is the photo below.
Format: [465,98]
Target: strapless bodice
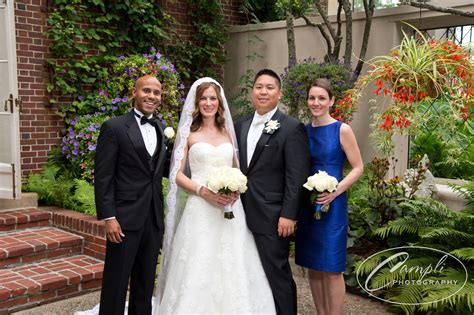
[204,157]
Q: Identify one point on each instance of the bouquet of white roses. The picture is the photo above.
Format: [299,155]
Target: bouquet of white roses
[319,183]
[226,180]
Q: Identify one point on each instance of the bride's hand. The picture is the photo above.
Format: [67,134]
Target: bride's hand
[215,199]
[235,196]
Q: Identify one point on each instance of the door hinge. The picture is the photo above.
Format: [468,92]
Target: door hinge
[19,104]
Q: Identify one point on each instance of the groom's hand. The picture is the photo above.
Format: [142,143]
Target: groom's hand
[113,231]
[286,227]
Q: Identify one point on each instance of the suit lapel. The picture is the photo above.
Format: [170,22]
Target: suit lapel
[162,153]
[135,136]
[264,138]
[244,131]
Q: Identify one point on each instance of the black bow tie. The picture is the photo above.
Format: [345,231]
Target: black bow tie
[143,120]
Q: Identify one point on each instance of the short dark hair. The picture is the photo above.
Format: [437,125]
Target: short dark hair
[321,83]
[268,72]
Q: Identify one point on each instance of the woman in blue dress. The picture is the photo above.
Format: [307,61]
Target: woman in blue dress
[321,244]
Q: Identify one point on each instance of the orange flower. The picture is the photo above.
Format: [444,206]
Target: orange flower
[387,124]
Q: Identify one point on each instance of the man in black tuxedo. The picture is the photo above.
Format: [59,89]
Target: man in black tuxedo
[274,155]
[129,165]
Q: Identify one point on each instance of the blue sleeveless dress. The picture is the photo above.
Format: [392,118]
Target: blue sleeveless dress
[321,244]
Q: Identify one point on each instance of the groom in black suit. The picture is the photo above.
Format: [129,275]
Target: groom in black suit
[129,166]
[274,155]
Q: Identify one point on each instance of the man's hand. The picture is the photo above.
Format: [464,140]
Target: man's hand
[113,231]
[286,227]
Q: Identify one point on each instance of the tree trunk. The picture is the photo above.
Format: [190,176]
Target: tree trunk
[290,35]
[347,7]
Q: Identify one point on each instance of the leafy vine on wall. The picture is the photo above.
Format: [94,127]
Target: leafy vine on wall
[86,36]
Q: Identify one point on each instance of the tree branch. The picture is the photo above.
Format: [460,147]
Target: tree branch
[424,5]
[323,32]
[369,7]
[325,20]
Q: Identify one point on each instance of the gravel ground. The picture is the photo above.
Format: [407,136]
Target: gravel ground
[355,305]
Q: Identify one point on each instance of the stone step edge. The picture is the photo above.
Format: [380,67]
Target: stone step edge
[81,224]
[32,245]
[24,218]
[28,286]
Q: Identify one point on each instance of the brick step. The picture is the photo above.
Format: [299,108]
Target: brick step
[33,245]
[48,281]
[24,218]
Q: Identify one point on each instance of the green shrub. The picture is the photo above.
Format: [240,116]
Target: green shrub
[298,78]
[450,151]
[382,217]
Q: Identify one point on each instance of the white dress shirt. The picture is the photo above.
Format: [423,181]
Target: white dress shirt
[255,131]
[148,133]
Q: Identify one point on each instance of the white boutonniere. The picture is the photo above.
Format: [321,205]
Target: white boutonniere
[271,126]
[169,133]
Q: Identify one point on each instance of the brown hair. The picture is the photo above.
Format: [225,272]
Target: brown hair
[321,83]
[197,117]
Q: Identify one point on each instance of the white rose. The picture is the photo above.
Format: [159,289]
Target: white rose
[215,182]
[169,133]
[331,184]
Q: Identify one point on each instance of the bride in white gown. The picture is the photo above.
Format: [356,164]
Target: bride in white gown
[209,264]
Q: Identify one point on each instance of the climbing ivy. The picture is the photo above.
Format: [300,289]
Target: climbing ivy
[204,53]
[86,35]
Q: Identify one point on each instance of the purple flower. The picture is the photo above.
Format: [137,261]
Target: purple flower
[92,147]
[124,99]
[80,98]
[102,108]
[114,107]
[181,86]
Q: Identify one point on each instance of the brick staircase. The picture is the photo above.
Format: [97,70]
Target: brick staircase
[48,254]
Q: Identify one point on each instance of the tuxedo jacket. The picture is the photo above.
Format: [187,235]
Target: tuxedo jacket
[127,179]
[279,167]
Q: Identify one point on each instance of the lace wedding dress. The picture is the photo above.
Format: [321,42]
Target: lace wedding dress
[214,263]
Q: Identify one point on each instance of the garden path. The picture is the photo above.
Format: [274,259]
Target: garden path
[355,305]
